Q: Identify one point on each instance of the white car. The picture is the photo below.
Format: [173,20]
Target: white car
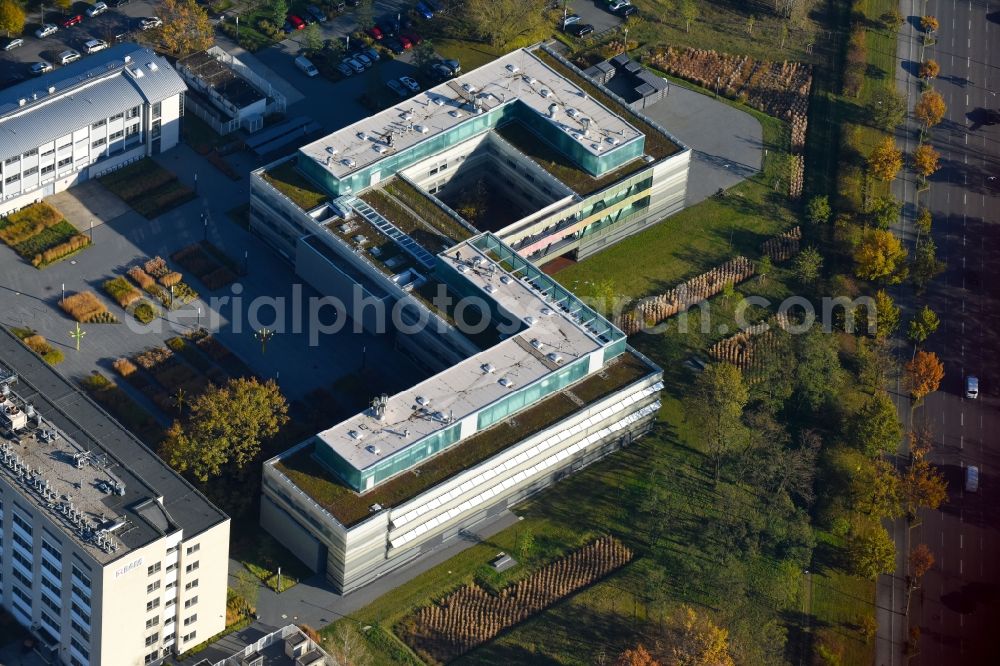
[41,67]
[46,30]
[13,44]
[571,19]
[98,9]
[150,22]
[410,83]
[615,5]
[95,45]
[971,387]
[68,56]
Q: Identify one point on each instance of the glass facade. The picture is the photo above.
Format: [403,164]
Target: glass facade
[573,148]
[532,393]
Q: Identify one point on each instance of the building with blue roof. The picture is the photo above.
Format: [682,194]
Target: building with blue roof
[84,120]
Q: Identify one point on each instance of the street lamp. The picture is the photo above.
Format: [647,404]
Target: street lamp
[77,334]
[263,335]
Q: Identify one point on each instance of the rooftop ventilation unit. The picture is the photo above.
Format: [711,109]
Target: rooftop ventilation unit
[506,383]
[545,92]
[22,101]
[506,279]
[348,162]
[468,87]
[406,115]
[572,113]
[354,434]
[552,110]
[422,129]
[530,321]
[537,344]
[372,449]
[555,358]
[422,401]
[547,312]
[438,101]
[489,289]
[612,140]
[137,73]
[52,89]
[513,69]
[462,268]
[363,136]
[531,80]
[153,67]
[330,150]
[455,113]
[128,59]
[488,368]
[380,149]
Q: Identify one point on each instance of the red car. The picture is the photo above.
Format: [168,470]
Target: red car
[406,42]
[414,38]
[296,22]
[72,20]
[375,33]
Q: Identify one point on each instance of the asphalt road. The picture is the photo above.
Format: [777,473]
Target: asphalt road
[958,604]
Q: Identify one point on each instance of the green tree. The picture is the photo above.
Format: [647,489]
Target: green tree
[313,38]
[886,315]
[504,23]
[885,160]
[887,109]
[807,265]
[277,12]
[715,406]
[819,371]
[186,27]
[423,54]
[876,428]
[923,324]
[764,267]
[689,12]
[925,266]
[818,209]
[11,17]
[923,221]
[871,552]
[524,546]
[876,490]
[885,211]
[226,426]
[922,486]
[364,14]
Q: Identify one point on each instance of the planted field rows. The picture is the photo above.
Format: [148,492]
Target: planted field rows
[40,234]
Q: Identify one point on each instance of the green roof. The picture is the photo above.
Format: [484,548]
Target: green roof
[289,181]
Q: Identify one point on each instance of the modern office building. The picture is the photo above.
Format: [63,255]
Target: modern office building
[554,390]
[106,554]
[85,119]
[575,166]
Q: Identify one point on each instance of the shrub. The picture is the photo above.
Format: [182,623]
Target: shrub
[60,251]
[141,277]
[152,357]
[156,267]
[27,222]
[170,279]
[145,312]
[122,291]
[124,367]
[49,237]
[41,346]
[85,308]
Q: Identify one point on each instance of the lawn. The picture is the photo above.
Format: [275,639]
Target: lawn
[148,188]
[469,54]
[263,556]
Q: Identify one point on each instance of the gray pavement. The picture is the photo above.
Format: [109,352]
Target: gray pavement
[315,603]
[727,143]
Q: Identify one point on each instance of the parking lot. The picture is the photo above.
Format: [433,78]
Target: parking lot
[15,65]
[592,12]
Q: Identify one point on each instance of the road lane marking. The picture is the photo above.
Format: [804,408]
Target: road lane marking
[961,568]
[961,442]
[961,541]
[961,416]
[965,197]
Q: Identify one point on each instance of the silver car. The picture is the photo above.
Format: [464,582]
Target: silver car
[41,67]
[46,30]
[345,69]
[13,44]
[355,65]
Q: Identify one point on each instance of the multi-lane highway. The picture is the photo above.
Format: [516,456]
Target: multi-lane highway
[957,607]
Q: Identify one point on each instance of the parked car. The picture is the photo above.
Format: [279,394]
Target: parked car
[316,13]
[120,3]
[615,5]
[397,87]
[394,45]
[306,66]
[627,10]
[150,22]
[406,42]
[372,54]
[73,20]
[424,10]
[356,66]
[579,29]
[389,27]
[96,9]
[296,22]
[375,33]
[363,58]
[452,65]
[46,30]
[13,44]
[95,45]
[68,56]
[413,37]
[41,67]
[344,69]
[438,72]
[971,479]
[971,387]
[572,18]
[410,83]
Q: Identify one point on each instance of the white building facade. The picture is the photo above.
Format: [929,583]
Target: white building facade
[84,120]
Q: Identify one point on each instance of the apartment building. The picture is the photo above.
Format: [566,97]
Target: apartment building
[86,119]
[106,555]
[556,389]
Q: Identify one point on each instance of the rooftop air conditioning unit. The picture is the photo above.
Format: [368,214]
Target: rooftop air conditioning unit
[506,383]
[422,401]
[513,69]
[354,434]
[374,450]
[530,321]
[545,92]
[488,368]
[421,129]
[547,311]
[536,343]
[555,358]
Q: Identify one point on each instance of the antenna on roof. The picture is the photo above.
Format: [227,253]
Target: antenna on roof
[379,405]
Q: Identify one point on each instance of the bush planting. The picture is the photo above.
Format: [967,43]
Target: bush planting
[86,308]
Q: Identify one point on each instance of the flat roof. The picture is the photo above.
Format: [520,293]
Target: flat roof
[517,76]
[156,500]
[221,78]
[467,387]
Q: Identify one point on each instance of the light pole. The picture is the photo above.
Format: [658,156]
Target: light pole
[246,262]
[63,294]
[199,316]
[91,231]
[264,335]
[196,182]
[204,220]
[77,334]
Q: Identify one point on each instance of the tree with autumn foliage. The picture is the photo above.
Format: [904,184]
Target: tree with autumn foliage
[186,27]
[930,109]
[880,257]
[697,641]
[11,17]
[922,486]
[885,160]
[925,372]
[925,160]
[929,69]
[921,561]
[871,552]
[929,23]
[637,656]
